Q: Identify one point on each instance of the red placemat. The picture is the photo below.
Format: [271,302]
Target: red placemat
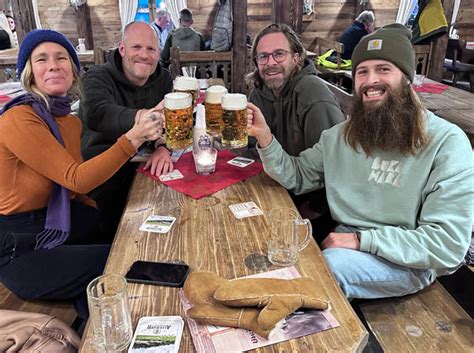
[436,88]
[198,186]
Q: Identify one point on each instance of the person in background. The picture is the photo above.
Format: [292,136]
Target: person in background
[296,103]
[130,85]
[363,25]
[162,26]
[49,241]
[185,37]
[7,40]
[399,179]
[11,23]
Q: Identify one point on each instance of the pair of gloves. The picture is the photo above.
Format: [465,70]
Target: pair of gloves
[256,304]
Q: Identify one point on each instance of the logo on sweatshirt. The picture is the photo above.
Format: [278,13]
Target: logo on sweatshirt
[385,172]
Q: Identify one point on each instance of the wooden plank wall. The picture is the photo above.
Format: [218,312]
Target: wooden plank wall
[465,20]
[329,20]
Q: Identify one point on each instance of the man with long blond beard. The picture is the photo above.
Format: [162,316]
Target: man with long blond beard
[398,178]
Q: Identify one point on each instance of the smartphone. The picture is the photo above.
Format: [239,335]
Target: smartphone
[158,273]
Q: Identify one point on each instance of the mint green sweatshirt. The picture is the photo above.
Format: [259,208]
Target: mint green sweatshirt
[415,211]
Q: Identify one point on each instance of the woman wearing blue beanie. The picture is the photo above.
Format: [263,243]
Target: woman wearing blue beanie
[49,242]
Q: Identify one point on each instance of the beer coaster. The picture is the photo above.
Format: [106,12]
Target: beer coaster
[246,209]
[241,161]
[157,224]
[175,174]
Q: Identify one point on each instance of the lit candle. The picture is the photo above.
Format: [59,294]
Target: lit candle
[205,159]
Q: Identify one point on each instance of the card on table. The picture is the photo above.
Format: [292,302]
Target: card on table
[175,174]
[157,334]
[157,224]
[246,209]
[241,161]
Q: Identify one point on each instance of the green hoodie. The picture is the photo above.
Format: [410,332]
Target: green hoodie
[304,109]
[415,211]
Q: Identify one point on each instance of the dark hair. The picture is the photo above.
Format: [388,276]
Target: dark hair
[186,15]
[296,47]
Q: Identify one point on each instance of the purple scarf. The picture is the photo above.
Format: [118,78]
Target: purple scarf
[58,215]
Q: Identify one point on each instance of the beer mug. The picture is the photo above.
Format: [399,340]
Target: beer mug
[289,235]
[234,116]
[109,313]
[179,120]
[81,47]
[187,84]
[214,122]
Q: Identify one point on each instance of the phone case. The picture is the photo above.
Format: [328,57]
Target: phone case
[157,334]
[130,278]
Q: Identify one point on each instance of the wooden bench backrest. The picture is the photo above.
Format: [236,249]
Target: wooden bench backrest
[344,98]
[322,45]
[422,58]
[209,64]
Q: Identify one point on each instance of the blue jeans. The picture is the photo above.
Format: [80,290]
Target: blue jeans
[367,276]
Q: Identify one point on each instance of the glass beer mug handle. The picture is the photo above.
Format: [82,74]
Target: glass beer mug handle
[309,231]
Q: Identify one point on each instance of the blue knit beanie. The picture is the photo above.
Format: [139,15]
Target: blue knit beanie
[38,36]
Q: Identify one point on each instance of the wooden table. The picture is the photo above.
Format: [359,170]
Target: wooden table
[454,105]
[208,237]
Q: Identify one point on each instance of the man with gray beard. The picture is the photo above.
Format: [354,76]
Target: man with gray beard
[398,178]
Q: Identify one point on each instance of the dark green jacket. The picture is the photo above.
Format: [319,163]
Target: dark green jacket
[186,39]
[305,108]
[110,102]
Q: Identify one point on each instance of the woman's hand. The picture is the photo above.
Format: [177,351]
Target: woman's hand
[147,127]
[257,126]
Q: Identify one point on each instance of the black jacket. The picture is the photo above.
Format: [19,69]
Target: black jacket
[110,102]
[351,37]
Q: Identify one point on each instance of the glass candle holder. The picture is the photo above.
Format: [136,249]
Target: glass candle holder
[205,161]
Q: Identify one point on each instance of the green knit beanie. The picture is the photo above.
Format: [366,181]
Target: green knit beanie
[391,43]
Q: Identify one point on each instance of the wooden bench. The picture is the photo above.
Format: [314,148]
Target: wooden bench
[63,311]
[209,64]
[428,321]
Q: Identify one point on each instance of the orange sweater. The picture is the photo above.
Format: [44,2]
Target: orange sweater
[31,157]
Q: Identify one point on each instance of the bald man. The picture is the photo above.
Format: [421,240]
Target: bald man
[130,84]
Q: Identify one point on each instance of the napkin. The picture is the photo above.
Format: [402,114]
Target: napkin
[436,88]
[198,186]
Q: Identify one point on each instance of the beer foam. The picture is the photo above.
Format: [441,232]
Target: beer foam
[178,100]
[214,94]
[234,101]
[182,83]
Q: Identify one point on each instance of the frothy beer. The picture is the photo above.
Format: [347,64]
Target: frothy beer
[234,106]
[187,84]
[179,120]
[214,122]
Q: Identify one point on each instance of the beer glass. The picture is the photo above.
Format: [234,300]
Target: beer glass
[187,84]
[109,313]
[234,116]
[214,122]
[289,235]
[179,120]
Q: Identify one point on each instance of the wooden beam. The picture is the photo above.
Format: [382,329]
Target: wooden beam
[289,12]
[440,44]
[24,17]
[239,46]
[84,26]
[152,10]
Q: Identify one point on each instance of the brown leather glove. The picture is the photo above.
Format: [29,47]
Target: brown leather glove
[278,297]
[199,290]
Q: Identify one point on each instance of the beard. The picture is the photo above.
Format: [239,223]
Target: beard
[277,84]
[393,124]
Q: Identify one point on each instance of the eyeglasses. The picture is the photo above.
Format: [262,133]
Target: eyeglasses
[278,55]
